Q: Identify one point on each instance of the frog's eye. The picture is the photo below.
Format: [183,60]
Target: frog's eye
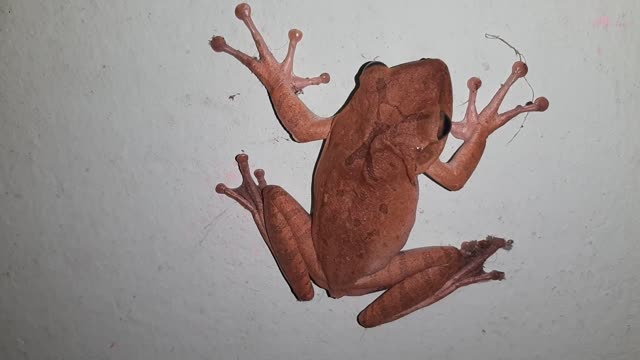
[445,125]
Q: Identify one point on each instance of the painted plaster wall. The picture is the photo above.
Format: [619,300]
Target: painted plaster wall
[116,124]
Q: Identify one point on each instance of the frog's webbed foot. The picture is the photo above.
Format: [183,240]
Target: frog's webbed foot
[248,194]
[268,70]
[489,120]
[471,249]
[476,253]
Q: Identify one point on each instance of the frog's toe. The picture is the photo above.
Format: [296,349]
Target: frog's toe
[491,244]
[248,194]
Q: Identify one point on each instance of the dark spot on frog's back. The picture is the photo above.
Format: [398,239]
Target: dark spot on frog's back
[357,222]
[373,233]
[384,208]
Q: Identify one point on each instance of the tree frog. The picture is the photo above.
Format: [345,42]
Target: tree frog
[365,187]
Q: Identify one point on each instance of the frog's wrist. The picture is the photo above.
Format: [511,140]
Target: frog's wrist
[277,86]
[479,137]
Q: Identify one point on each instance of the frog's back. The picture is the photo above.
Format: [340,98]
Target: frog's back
[359,223]
[364,197]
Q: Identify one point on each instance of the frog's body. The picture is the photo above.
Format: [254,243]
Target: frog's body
[365,183]
[365,191]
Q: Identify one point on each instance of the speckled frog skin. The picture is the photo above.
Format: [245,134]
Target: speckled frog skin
[365,193]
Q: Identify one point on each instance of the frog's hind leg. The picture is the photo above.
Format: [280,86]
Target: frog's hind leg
[284,225]
[432,284]
[402,266]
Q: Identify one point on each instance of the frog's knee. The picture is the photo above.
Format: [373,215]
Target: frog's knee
[273,192]
[336,294]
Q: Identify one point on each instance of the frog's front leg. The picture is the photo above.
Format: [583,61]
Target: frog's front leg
[474,130]
[284,225]
[437,280]
[281,83]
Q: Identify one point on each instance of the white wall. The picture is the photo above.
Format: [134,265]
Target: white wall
[116,125]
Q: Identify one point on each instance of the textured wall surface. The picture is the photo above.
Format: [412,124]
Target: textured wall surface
[116,124]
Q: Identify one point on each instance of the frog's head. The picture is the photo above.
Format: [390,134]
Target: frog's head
[411,103]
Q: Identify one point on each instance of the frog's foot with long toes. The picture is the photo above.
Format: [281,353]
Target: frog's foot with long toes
[268,70]
[248,194]
[475,254]
[280,81]
[284,225]
[489,120]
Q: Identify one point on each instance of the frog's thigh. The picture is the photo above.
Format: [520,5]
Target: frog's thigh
[412,293]
[289,228]
[405,264]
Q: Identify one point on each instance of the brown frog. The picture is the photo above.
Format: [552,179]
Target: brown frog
[365,189]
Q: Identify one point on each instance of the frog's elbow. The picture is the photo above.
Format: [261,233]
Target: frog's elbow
[448,184]
[302,137]
[456,183]
[448,176]
[317,130]
[454,186]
